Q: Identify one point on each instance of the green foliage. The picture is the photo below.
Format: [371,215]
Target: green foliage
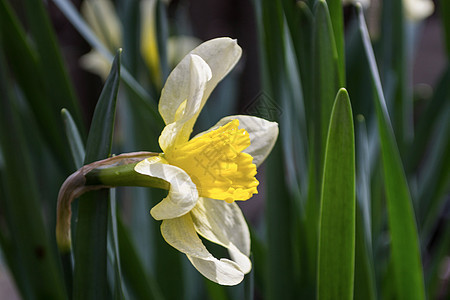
[90,279]
[337,213]
[353,209]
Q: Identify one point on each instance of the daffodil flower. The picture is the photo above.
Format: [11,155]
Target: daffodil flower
[205,174]
[210,171]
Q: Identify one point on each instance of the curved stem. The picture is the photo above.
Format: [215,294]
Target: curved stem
[107,173]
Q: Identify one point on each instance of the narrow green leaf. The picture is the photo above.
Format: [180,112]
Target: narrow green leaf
[434,180]
[272,39]
[280,270]
[438,257]
[337,216]
[337,20]
[100,135]
[300,21]
[326,82]
[215,291]
[405,252]
[428,121]
[74,138]
[280,280]
[24,63]
[249,289]
[138,283]
[363,177]
[365,285]
[55,77]
[78,154]
[31,257]
[113,244]
[394,66]
[90,280]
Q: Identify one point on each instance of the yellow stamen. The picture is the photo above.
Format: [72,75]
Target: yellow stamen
[216,163]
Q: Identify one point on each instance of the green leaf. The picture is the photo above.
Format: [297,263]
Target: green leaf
[337,215]
[138,283]
[428,121]
[434,180]
[90,280]
[30,255]
[394,66]
[74,138]
[25,66]
[405,252]
[336,16]
[365,285]
[438,256]
[280,266]
[113,245]
[56,80]
[326,82]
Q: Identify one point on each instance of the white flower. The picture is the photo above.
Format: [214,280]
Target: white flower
[210,171]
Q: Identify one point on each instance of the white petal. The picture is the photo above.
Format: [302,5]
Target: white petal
[102,18]
[263,135]
[180,129]
[180,234]
[224,224]
[417,10]
[182,195]
[220,54]
[96,63]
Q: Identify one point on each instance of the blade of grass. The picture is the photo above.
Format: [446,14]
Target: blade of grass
[78,154]
[280,280]
[434,182]
[249,283]
[56,79]
[428,120]
[364,288]
[138,282]
[363,178]
[91,235]
[337,215]
[24,63]
[337,21]
[394,59]
[113,244]
[32,259]
[365,285]
[280,265]
[405,252]
[326,83]
[438,256]
[74,138]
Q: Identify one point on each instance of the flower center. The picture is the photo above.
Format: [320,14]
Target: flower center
[216,164]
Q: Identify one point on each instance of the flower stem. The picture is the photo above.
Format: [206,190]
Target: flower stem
[111,172]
